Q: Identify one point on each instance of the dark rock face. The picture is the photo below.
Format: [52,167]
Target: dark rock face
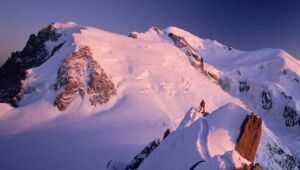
[145,153]
[133,35]
[291,116]
[33,55]
[249,138]
[244,86]
[81,74]
[166,134]
[290,113]
[285,160]
[278,100]
[266,100]
[195,59]
[251,167]
[286,96]
[181,43]
[138,159]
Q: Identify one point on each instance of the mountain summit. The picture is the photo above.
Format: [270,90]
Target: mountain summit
[79,97]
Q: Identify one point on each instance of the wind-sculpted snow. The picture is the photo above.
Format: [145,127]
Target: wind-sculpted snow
[210,140]
[81,74]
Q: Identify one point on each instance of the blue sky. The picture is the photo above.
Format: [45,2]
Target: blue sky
[243,24]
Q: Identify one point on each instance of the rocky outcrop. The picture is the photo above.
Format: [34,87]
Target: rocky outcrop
[251,167]
[166,134]
[266,100]
[195,59]
[249,137]
[138,159]
[291,116]
[33,55]
[145,153]
[281,157]
[81,74]
[273,98]
[133,35]
[244,86]
[181,43]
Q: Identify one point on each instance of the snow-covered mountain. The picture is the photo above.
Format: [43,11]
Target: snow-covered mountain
[82,98]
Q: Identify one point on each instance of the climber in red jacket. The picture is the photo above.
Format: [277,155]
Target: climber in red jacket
[202,107]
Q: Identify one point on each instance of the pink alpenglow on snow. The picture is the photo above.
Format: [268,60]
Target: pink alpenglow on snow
[84,98]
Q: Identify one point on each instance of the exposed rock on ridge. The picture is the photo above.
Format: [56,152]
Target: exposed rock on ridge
[272,97]
[251,167]
[181,43]
[81,74]
[249,138]
[138,159]
[145,153]
[33,55]
[280,156]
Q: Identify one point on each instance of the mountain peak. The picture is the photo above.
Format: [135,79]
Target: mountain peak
[63,25]
[132,90]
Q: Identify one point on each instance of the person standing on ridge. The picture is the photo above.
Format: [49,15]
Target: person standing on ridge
[202,107]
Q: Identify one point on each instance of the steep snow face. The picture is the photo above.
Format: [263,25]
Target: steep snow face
[266,80]
[210,143]
[148,67]
[272,153]
[208,139]
[271,82]
[155,84]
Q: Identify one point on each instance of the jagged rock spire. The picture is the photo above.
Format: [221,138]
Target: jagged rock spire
[249,138]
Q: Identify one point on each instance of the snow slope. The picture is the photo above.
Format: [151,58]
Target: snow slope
[155,85]
[201,141]
[212,140]
[271,71]
[266,80]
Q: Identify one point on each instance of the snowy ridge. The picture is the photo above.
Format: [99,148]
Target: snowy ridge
[200,141]
[267,71]
[265,80]
[155,85]
[274,90]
